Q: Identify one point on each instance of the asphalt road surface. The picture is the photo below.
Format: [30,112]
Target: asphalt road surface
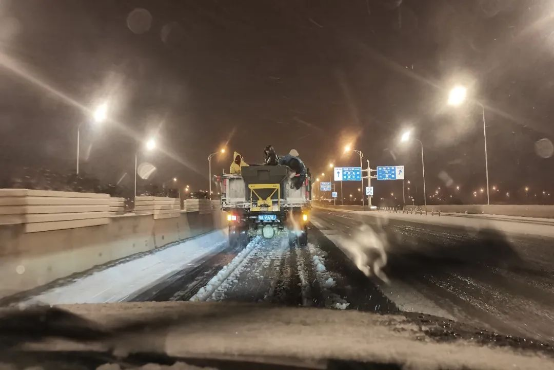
[499,282]
[486,279]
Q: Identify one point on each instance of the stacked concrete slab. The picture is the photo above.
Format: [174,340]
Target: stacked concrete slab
[117,206]
[40,210]
[199,205]
[158,207]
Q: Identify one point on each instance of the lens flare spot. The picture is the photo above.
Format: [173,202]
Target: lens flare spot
[544,148]
[145,170]
[139,21]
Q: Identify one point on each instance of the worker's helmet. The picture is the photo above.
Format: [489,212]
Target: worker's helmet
[293,152]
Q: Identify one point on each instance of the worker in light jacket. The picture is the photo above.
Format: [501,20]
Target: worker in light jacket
[237,164]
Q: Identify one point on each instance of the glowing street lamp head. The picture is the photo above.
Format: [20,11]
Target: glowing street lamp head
[151,144]
[457,95]
[331,165]
[101,113]
[406,136]
[322,174]
[347,148]
[317,179]
[223,150]
[174,179]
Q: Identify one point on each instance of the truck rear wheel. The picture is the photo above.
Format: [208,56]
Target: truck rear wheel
[298,239]
[303,238]
[238,237]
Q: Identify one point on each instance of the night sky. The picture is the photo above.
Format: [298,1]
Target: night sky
[310,75]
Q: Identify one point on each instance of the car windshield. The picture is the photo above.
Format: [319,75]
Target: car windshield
[369,157]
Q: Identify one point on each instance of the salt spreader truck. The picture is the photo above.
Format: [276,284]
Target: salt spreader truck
[262,202]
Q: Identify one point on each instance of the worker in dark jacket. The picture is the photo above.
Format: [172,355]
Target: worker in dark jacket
[294,163]
[270,156]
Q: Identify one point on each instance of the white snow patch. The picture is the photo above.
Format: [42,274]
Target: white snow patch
[329,283]
[118,283]
[326,282]
[318,263]
[341,306]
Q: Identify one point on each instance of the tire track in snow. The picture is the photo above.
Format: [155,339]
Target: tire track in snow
[205,292]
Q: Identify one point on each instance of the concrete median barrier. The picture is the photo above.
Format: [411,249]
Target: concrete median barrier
[537,211]
[38,246]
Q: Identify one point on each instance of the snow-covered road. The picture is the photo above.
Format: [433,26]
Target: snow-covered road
[265,271]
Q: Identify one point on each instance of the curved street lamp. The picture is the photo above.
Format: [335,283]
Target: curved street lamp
[348,148]
[406,137]
[456,97]
[99,115]
[150,145]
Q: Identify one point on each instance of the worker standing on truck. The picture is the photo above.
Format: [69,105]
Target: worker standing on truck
[237,164]
[270,156]
[294,163]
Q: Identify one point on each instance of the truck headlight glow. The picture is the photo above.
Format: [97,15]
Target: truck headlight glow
[231,217]
[305,217]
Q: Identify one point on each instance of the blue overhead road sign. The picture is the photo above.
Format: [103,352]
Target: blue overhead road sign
[348,174]
[325,186]
[390,173]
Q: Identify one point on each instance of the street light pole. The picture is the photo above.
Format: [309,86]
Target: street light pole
[456,97]
[423,172]
[150,145]
[222,151]
[210,174]
[362,178]
[486,154]
[369,197]
[136,166]
[406,136]
[403,196]
[341,194]
[99,115]
[78,144]
[331,183]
